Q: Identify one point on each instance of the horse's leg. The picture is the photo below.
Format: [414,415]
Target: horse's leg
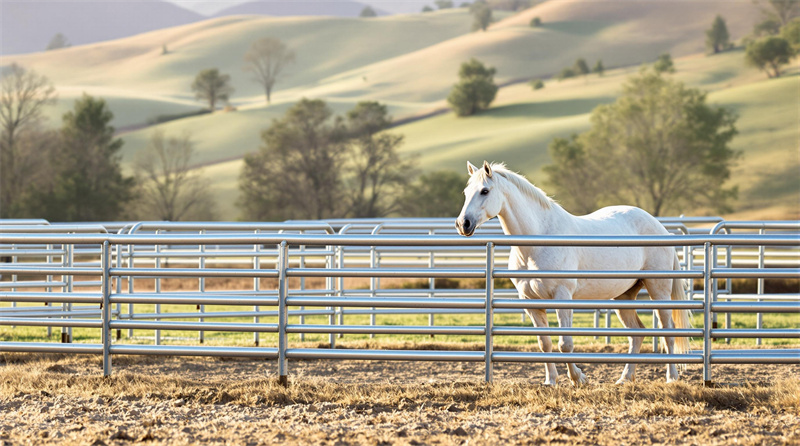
[565,342]
[660,289]
[539,319]
[630,319]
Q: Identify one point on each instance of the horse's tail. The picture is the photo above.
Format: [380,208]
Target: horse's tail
[681,318]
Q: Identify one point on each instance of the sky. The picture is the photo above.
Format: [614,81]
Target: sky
[394,6]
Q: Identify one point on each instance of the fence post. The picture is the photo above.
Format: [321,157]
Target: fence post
[256,287]
[157,263]
[329,284]
[283,364]
[489,310]
[760,290]
[106,311]
[201,284]
[707,319]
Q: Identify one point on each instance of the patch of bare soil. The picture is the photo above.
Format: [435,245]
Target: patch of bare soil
[63,400]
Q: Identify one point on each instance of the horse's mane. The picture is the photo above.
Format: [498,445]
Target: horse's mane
[522,183]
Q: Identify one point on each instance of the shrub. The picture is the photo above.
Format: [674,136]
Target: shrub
[566,73]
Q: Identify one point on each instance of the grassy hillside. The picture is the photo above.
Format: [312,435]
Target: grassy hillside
[410,63]
[417,80]
[522,122]
[325,46]
[619,33]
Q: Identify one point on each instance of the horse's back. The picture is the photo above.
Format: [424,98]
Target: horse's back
[622,220]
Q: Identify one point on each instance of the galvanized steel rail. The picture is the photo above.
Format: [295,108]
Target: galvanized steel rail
[283,298]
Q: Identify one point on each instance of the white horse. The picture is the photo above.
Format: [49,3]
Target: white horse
[523,209]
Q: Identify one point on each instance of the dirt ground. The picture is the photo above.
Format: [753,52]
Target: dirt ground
[49,399]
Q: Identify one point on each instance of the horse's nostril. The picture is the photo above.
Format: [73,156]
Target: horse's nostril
[466,224]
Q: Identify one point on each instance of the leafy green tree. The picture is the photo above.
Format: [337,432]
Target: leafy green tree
[780,11]
[297,172]
[581,68]
[791,32]
[24,94]
[598,68]
[169,189]
[434,194]
[536,84]
[769,54]
[768,27]
[659,147]
[571,158]
[57,42]
[427,8]
[378,172]
[566,73]
[475,89]
[443,4]
[313,165]
[89,184]
[664,64]
[368,12]
[482,16]
[266,59]
[717,37]
[212,86]
[775,14]
[536,22]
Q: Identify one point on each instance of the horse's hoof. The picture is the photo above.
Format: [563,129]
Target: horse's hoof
[580,381]
[549,383]
[623,380]
[672,379]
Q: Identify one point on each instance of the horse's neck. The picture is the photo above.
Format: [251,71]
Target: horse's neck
[523,216]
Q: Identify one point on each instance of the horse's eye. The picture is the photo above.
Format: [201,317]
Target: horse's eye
[484,191]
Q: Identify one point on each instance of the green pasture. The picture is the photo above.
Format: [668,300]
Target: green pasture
[86,335]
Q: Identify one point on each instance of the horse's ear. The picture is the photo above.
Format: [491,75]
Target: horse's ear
[488,169]
[471,168]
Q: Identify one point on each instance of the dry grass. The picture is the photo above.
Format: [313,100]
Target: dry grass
[63,400]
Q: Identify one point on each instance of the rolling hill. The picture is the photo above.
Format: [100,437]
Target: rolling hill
[410,62]
[325,46]
[28,26]
[341,8]
[521,123]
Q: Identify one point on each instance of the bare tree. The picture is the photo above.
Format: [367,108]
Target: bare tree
[169,188]
[23,95]
[266,58]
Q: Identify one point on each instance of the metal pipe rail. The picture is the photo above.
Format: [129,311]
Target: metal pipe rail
[390,240]
[709,273]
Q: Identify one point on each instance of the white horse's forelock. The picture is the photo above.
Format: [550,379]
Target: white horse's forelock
[522,183]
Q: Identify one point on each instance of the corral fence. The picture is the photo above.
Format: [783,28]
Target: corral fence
[86,275]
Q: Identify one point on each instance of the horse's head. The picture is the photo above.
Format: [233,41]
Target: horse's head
[482,200]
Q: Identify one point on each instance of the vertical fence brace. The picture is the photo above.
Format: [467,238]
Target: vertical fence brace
[106,309]
[708,262]
[283,365]
[489,311]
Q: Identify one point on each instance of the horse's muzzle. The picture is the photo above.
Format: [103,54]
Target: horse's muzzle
[465,227]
